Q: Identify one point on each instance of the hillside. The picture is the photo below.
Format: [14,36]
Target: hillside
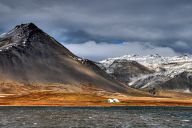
[169,73]
[29,55]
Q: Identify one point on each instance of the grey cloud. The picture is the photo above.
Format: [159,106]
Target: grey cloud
[162,22]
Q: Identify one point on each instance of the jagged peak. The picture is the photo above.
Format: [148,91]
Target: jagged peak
[23,29]
[20,35]
[28,35]
[30,26]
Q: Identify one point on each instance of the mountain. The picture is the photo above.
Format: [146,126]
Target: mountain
[29,55]
[168,73]
[125,70]
[182,81]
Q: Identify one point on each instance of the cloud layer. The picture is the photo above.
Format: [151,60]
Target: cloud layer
[163,23]
[100,51]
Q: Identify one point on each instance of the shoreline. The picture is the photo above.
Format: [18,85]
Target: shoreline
[188,106]
[89,100]
[132,103]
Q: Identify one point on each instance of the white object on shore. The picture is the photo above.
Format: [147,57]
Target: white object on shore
[116,100]
[113,100]
[110,101]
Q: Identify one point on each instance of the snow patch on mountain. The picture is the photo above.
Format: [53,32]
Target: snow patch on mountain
[165,68]
[2,35]
[150,61]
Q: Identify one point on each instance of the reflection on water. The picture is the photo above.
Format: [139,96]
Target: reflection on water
[119,117]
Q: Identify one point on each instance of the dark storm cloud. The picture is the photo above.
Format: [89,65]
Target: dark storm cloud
[163,23]
[77,36]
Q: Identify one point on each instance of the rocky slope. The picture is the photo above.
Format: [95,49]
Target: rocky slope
[168,72]
[125,70]
[182,81]
[29,55]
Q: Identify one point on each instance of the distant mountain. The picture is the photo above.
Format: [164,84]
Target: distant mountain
[125,70]
[182,81]
[29,55]
[167,73]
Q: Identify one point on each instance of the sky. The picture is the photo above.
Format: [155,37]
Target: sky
[98,29]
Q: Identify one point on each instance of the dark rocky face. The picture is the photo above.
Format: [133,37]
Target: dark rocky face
[124,70]
[181,81]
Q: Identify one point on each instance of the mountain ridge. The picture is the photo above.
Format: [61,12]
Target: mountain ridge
[30,55]
[166,70]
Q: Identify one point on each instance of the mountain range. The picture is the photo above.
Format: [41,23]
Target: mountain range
[157,72]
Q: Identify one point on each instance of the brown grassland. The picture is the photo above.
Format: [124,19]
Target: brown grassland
[17,94]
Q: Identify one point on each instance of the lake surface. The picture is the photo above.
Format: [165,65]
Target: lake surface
[95,117]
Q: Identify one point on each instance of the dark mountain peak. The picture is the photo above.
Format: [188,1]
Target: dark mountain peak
[29,38]
[27,27]
[22,35]
[22,32]
[26,30]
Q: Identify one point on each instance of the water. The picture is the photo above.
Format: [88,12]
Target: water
[95,117]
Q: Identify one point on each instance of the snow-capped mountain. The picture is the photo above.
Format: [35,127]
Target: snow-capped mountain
[151,61]
[165,69]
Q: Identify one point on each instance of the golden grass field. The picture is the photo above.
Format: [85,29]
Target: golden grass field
[17,94]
